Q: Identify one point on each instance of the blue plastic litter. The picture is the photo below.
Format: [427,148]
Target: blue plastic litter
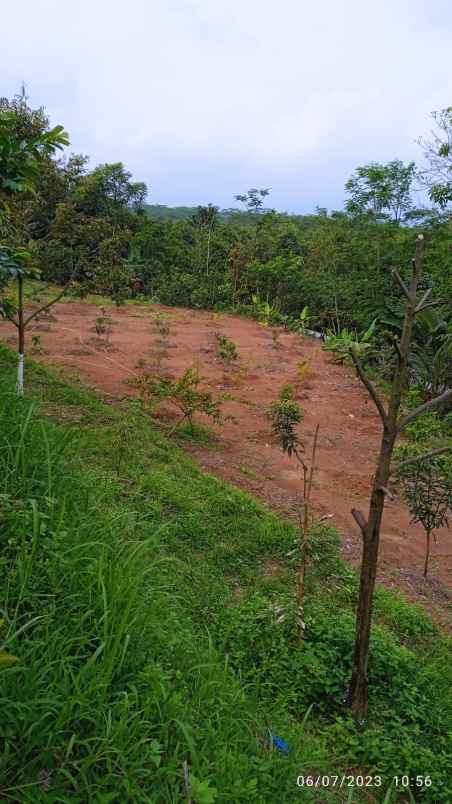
[280,744]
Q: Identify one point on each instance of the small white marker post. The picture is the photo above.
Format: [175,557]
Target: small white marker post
[20,375]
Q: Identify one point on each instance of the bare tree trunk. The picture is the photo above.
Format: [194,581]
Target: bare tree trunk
[427,552]
[370,529]
[358,692]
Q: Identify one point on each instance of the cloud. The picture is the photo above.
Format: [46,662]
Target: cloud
[203,99]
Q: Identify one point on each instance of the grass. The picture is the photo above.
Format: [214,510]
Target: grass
[136,598]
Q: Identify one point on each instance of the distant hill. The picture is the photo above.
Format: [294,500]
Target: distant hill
[162,212]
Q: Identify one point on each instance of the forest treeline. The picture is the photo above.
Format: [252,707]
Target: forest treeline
[93,224]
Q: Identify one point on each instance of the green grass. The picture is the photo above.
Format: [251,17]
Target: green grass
[139,596]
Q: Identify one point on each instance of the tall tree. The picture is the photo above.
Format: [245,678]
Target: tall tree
[205,219]
[381,189]
[393,424]
[253,200]
[437,177]
[108,191]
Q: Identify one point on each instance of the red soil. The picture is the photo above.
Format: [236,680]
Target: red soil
[244,452]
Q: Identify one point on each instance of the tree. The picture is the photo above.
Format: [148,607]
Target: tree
[286,414]
[108,191]
[381,189]
[16,264]
[253,199]
[437,178]
[426,486]
[393,424]
[206,218]
[25,144]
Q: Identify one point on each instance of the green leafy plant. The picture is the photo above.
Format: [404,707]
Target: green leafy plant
[342,342]
[304,320]
[37,345]
[426,486]
[227,349]
[285,414]
[184,393]
[265,312]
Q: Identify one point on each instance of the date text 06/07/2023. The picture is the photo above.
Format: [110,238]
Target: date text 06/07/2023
[334,780]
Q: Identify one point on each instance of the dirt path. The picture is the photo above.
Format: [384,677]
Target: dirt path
[245,453]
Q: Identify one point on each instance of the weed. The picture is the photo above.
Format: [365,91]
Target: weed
[37,345]
[102,325]
[303,370]
[162,324]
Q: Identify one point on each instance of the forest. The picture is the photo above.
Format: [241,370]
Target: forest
[232,653]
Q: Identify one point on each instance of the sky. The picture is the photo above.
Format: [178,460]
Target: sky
[203,99]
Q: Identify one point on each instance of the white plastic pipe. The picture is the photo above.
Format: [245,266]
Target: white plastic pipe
[20,375]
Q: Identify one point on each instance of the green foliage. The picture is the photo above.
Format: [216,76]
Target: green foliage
[184,393]
[381,189]
[227,349]
[426,486]
[263,311]
[437,178]
[342,342]
[24,148]
[430,357]
[285,414]
[253,200]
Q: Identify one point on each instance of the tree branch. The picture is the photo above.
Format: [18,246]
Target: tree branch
[423,300]
[432,403]
[360,519]
[419,458]
[13,321]
[405,290]
[52,301]
[368,385]
[427,306]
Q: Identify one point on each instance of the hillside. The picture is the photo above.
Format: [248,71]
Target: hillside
[176,653]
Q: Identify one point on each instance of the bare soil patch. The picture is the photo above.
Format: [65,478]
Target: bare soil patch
[244,452]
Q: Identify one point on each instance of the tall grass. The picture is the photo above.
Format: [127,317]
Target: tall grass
[113,690]
[143,617]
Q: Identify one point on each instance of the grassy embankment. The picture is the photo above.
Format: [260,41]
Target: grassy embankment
[142,600]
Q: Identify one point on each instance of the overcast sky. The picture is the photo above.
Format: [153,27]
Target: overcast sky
[202,99]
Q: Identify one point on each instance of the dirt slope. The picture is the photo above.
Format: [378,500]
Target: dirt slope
[245,453]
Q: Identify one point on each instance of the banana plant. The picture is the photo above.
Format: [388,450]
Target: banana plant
[348,339]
